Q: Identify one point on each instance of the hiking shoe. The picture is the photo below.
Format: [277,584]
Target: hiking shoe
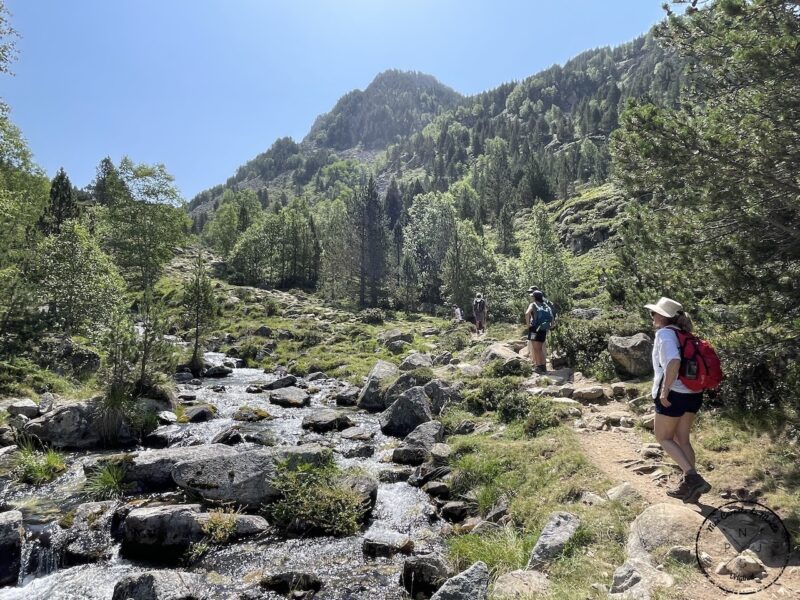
[680,490]
[540,369]
[697,487]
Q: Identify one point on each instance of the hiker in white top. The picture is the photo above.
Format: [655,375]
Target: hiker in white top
[676,405]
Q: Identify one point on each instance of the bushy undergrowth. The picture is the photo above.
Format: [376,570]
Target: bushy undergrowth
[486,393]
[35,466]
[541,416]
[372,316]
[220,526]
[583,341]
[313,501]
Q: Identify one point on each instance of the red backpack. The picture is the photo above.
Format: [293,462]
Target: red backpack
[700,366]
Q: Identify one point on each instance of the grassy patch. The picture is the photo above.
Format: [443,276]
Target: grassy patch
[537,477]
[220,526]
[106,483]
[313,501]
[37,467]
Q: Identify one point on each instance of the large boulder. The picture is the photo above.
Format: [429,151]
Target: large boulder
[471,584]
[394,335]
[25,407]
[11,536]
[244,478]
[441,394]
[70,426]
[366,486]
[89,538]
[518,585]
[327,419]
[290,397]
[663,526]
[559,530]
[402,384]
[636,579]
[164,533]
[496,352]
[151,471]
[160,585]
[280,383]
[371,396]
[417,360]
[416,447]
[409,411]
[217,372]
[424,574]
[632,354]
[386,543]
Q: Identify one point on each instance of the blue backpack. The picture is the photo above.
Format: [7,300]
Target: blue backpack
[543,318]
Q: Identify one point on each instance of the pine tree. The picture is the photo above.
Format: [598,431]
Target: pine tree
[107,187]
[63,205]
[392,205]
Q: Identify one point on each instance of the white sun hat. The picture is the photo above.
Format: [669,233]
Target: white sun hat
[666,307]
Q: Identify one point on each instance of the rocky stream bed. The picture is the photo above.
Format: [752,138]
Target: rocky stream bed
[135,547]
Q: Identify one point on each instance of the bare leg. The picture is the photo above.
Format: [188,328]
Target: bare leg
[531,353]
[682,436]
[665,428]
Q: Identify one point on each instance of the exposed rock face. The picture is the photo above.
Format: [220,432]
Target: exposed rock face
[90,537]
[632,354]
[291,582]
[424,574]
[65,357]
[441,395]
[290,397]
[417,360]
[636,578]
[160,585]
[471,584]
[371,396]
[151,471]
[347,397]
[496,351]
[69,426]
[281,382]
[218,371]
[327,419]
[199,414]
[554,538]
[246,477]
[518,585]
[11,535]
[409,411]
[394,335]
[164,533]
[417,445]
[386,543]
[25,407]
[367,488]
[402,384]
[663,525]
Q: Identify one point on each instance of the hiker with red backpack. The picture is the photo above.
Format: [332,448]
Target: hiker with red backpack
[684,366]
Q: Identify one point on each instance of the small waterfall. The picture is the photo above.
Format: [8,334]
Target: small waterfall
[42,551]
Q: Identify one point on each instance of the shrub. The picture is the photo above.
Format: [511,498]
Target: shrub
[220,526]
[603,368]
[33,466]
[488,393]
[106,484]
[313,502]
[513,406]
[542,416]
[516,368]
[372,316]
[582,341]
[455,340]
[271,307]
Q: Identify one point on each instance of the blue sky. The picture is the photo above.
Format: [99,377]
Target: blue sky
[204,85]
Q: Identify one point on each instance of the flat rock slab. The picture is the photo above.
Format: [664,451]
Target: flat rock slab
[520,585]
[663,525]
[386,543]
[471,584]
[290,397]
[559,530]
[327,419]
[245,477]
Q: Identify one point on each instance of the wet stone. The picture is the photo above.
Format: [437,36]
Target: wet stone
[358,433]
[457,511]
[437,489]
[386,544]
[251,414]
[11,535]
[290,397]
[326,419]
[280,383]
[199,414]
[395,474]
[424,574]
[292,581]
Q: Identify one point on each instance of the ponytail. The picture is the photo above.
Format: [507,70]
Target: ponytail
[683,321]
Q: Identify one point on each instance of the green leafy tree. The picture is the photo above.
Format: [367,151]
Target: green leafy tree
[142,232]
[465,266]
[336,250]
[77,280]
[119,361]
[200,308]
[108,187]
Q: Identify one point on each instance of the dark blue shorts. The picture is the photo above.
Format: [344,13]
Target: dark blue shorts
[536,336]
[680,404]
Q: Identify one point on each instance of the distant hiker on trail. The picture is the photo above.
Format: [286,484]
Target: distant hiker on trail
[458,317]
[676,405]
[539,318]
[479,310]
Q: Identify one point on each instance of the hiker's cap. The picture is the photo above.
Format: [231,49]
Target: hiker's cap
[479,295]
[666,307]
[532,289]
[537,295]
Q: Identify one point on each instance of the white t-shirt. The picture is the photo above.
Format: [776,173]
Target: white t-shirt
[665,349]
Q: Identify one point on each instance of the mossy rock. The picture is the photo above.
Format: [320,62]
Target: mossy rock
[251,414]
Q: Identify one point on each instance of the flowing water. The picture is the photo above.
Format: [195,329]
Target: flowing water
[230,569]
